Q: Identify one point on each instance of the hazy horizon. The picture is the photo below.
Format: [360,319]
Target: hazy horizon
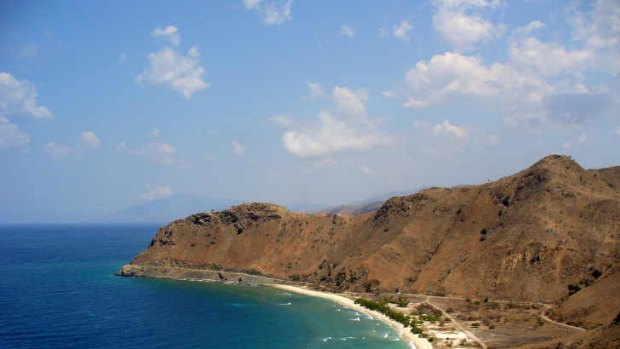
[116,108]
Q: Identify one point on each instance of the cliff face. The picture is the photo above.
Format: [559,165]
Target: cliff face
[523,237]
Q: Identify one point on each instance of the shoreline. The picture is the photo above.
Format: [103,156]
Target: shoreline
[201,275]
[413,341]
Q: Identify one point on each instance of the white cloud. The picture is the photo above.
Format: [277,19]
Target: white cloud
[451,73]
[349,102]
[122,56]
[19,97]
[449,129]
[237,148]
[389,93]
[273,12]
[366,170]
[170,32]
[529,28]
[58,151]
[11,136]
[618,131]
[90,139]
[154,192]
[461,24]
[566,146]
[332,135]
[161,153]
[349,129]
[181,72]
[548,58]
[347,31]
[316,90]
[401,31]
[155,132]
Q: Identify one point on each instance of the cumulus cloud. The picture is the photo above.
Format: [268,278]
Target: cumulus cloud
[90,140]
[19,97]
[345,128]
[170,32]
[315,90]
[58,151]
[273,12]
[389,93]
[349,102]
[548,58]
[161,153]
[462,24]
[347,31]
[11,136]
[529,28]
[449,74]
[154,192]
[401,31]
[237,148]
[155,132]
[180,72]
[446,128]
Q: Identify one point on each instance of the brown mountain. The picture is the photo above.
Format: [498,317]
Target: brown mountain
[548,233]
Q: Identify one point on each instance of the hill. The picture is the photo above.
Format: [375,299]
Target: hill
[546,234]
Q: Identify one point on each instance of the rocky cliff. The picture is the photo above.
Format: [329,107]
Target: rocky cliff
[547,233]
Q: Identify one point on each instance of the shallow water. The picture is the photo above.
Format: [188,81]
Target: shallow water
[57,290]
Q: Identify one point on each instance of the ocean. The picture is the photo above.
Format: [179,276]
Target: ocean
[57,290]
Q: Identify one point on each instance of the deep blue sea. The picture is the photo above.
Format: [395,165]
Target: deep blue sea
[57,290]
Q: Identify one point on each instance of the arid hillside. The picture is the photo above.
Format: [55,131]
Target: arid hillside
[548,233]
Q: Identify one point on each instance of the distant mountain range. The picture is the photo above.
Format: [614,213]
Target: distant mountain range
[364,206]
[167,209]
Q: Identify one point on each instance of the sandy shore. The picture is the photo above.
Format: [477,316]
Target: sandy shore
[412,340]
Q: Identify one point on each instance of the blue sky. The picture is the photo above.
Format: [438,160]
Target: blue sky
[109,105]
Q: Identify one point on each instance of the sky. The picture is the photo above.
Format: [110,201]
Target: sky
[109,105]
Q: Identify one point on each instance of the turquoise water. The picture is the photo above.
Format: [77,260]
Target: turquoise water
[57,290]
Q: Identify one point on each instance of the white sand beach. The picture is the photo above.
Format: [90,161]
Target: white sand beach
[412,340]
